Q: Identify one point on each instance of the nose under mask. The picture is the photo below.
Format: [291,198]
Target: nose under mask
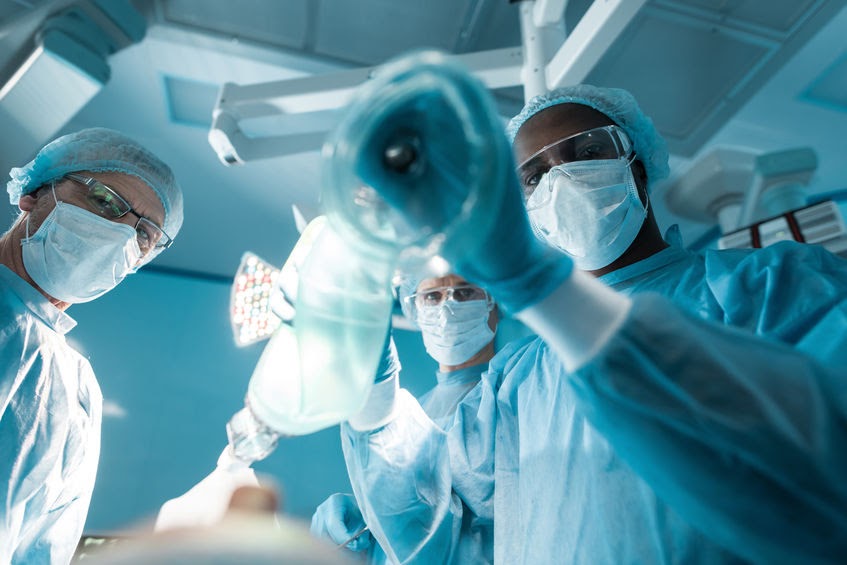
[76,256]
[453,332]
[594,212]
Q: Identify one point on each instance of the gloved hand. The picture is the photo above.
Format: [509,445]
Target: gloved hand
[338,518]
[438,153]
[207,501]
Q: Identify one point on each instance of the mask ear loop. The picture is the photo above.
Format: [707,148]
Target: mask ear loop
[29,215]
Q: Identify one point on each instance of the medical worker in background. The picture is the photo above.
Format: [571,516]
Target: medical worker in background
[458,322]
[676,408]
[95,206]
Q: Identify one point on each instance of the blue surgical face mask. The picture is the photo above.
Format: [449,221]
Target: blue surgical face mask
[77,256]
[453,332]
[592,210]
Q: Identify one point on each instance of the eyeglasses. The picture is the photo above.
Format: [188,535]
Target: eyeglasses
[104,201]
[607,142]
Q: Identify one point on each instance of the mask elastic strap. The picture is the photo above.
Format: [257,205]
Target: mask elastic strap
[29,215]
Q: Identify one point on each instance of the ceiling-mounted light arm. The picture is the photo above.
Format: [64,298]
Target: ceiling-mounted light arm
[286,103]
[589,40]
[542,31]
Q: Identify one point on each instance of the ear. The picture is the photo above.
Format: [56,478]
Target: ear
[640,174]
[27,202]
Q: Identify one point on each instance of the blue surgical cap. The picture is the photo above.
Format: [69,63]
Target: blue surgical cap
[98,150]
[620,106]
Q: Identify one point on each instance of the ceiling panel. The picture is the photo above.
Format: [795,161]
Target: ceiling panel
[280,24]
[777,15]
[830,88]
[372,31]
[693,69]
[657,48]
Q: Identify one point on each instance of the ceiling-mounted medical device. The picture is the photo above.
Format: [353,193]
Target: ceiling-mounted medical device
[67,67]
[284,117]
[757,199]
[820,223]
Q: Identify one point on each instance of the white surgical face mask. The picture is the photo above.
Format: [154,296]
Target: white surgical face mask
[593,212]
[76,256]
[453,332]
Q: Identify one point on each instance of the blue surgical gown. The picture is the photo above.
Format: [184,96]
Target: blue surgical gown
[49,429]
[439,404]
[682,441]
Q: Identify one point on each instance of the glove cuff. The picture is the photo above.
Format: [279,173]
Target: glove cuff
[379,408]
[578,318]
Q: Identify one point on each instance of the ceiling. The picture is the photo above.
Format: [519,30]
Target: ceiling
[760,74]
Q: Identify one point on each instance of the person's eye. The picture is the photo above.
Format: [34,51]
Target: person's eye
[104,203]
[530,179]
[433,297]
[592,151]
[464,294]
[145,238]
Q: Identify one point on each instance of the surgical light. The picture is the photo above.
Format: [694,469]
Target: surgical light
[254,290]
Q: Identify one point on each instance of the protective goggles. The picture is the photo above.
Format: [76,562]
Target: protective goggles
[607,142]
[435,297]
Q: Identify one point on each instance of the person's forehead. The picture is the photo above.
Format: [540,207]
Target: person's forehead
[555,123]
[134,190]
[447,280]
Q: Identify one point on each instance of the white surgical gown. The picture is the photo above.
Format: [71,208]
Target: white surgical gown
[734,431]
[49,429]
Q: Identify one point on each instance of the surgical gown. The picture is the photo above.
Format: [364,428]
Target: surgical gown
[709,437]
[439,404]
[49,429]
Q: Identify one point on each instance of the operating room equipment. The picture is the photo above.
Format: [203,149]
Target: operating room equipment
[756,199]
[354,537]
[423,121]
[546,59]
[317,371]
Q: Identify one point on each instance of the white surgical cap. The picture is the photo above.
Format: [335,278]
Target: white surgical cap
[100,150]
[620,106]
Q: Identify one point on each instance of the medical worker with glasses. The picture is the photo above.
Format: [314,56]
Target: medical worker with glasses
[458,322]
[677,407]
[95,207]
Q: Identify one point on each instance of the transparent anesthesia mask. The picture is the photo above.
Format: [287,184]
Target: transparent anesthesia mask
[603,143]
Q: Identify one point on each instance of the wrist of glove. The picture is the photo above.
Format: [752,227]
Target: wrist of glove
[516,267]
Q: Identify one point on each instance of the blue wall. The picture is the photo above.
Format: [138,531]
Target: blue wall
[171,375]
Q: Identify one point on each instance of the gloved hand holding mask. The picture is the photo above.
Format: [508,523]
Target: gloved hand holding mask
[425,135]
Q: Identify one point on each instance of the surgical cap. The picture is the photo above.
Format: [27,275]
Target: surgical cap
[99,150]
[620,106]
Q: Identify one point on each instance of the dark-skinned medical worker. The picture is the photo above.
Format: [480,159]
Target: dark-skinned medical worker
[675,408]
[458,322]
[95,206]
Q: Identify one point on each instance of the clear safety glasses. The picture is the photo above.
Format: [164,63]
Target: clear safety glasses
[432,297]
[607,142]
[105,202]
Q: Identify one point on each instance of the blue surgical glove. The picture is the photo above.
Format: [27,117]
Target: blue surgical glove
[436,153]
[338,519]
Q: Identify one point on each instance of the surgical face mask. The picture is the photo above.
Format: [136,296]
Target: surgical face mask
[588,209]
[453,332]
[76,256]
